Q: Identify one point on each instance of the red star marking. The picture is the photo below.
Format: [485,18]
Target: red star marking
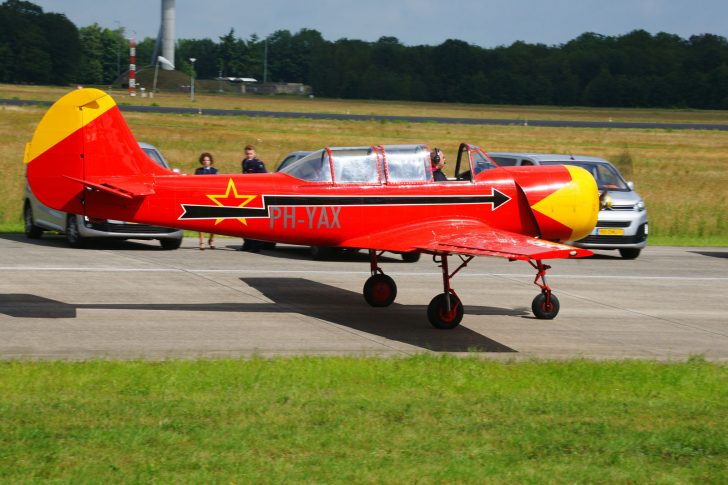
[228,200]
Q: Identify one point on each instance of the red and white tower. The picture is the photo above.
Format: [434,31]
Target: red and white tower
[132,67]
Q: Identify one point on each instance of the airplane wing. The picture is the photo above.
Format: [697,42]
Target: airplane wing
[466,237]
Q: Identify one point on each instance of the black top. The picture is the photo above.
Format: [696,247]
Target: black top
[206,171]
[439,176]
[253,166]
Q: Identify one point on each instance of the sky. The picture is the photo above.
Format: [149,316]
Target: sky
[486,23]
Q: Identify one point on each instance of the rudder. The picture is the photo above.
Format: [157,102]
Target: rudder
[82,137]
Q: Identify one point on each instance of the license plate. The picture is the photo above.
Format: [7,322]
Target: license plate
[610,232]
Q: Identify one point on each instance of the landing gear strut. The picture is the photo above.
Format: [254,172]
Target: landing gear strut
[445,311]
[545,306]
[379,290]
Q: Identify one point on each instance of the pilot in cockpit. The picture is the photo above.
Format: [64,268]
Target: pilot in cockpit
[437,162]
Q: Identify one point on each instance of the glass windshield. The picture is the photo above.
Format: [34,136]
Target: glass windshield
[364,165]
[481,162]
[355,165]
[607,177]
[408,163]
[313,167]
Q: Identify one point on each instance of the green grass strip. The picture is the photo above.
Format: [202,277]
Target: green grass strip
[361,420]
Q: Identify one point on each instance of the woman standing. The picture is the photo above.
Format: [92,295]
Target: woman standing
[206,160]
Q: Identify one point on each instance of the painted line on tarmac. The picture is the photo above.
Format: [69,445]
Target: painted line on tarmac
[394,273]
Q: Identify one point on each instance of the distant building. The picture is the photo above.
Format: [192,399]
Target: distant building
[276,88]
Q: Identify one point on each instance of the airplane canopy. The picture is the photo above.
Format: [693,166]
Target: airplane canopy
[375,164]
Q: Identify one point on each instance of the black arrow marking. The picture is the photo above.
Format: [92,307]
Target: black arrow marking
[192,211]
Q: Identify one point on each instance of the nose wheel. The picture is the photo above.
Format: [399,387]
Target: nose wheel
[545,306]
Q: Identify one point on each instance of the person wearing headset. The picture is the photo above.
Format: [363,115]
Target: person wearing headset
[437,163]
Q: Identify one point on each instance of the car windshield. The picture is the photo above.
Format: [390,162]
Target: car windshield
[606,175]
[290,159]
[155,156]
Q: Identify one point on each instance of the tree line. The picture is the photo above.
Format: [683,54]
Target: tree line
[637,69]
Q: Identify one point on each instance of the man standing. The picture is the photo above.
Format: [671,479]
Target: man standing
[251,164]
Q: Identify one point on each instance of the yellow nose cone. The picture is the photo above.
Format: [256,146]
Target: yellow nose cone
[575,205]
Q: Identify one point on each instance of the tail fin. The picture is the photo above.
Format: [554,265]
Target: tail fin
[83,140]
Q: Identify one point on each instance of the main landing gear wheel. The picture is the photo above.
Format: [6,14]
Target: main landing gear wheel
[442,315]
[543,310]
[380,290]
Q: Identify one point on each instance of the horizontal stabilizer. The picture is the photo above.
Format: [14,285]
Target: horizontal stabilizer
[125,189]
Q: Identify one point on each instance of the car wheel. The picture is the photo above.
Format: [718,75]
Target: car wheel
[412,257]
[630,253]
[73,235]
[31,230]
[170,244]
[322,253]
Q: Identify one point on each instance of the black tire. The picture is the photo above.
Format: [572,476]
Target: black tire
[73,235]
[269,245]
[630,253]
[540,311]
[438,314]
[411,257]
[380,290]
[170,244]
[31,230]
[322,253]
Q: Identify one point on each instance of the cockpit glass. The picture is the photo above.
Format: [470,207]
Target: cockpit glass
[364,165]
[312,168]
[356,165]
[481,162]
[408,163]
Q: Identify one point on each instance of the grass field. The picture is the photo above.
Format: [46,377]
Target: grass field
[423,419]
[374,107]
[348,420]
[683,174]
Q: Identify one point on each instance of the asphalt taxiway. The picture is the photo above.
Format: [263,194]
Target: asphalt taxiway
[134,300]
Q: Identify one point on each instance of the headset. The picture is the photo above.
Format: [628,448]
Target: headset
[435,156]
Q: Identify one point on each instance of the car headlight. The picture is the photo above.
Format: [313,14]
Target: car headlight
[640,206]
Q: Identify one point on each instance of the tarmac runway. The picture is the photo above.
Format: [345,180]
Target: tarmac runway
[132,300]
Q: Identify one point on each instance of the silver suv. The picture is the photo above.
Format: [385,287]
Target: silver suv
[78,229]
[622,221]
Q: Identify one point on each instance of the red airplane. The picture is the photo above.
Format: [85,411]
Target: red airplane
[84,159]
